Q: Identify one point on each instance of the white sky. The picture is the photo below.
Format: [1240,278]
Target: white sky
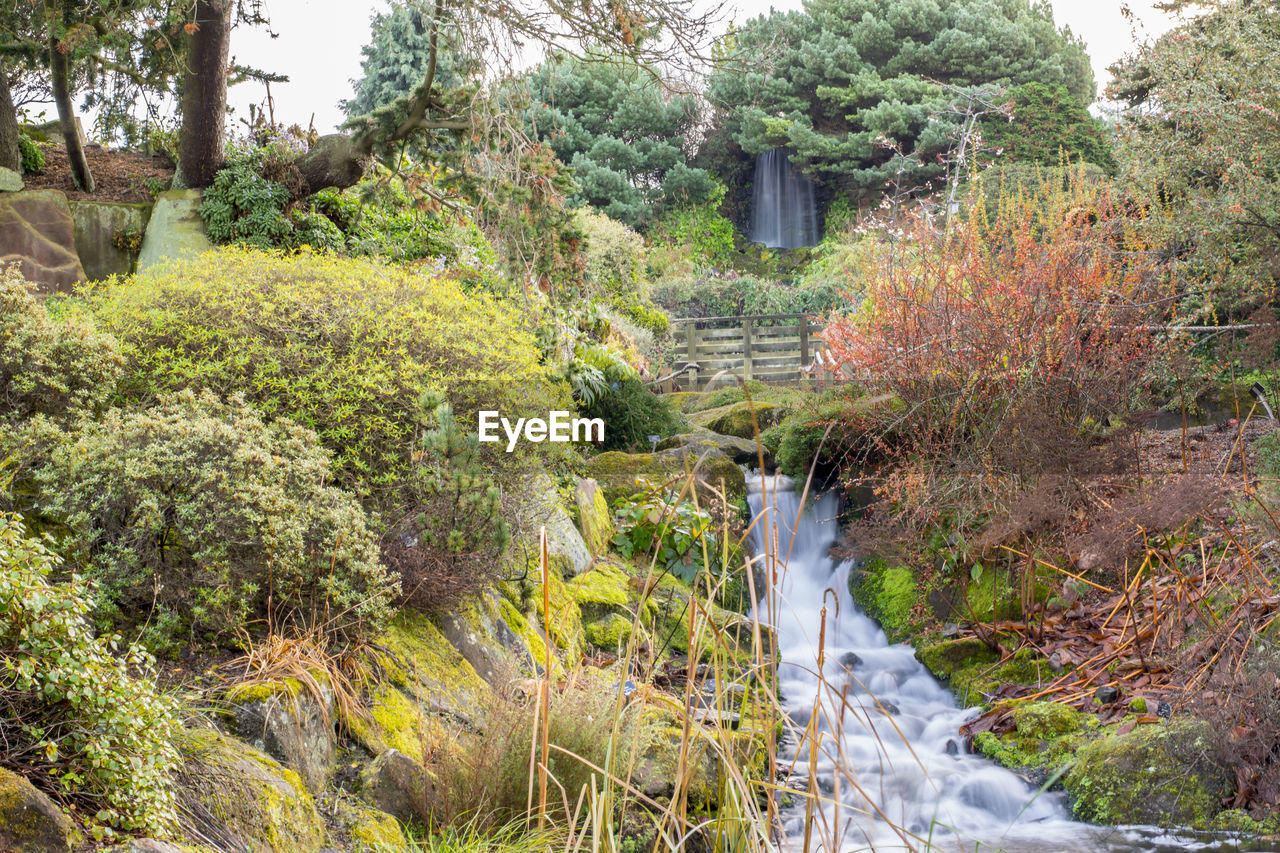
[319,48]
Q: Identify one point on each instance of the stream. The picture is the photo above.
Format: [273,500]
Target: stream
[891,769]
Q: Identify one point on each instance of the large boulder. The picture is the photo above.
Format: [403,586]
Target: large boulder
[622,474]
[10,181]
[244,797]
[735,419]
[30,822]
[744,451]
[108,236]
[543,508]
[175,230]
[370,830]
[399,786]
[595,519]
[37,232]
[291,725]
[1159,775]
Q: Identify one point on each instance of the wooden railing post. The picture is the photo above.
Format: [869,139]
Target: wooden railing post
[746,348]
[691,342]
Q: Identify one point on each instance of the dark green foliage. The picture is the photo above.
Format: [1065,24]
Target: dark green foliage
[246,208]
[395,61]
[852,78]
[32,156]
[631,414]
[656,525]
[1049,125]
[626,138]
[199,516]
[450,543]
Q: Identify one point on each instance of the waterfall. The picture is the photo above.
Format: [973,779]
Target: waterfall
[889,753]
[784,214]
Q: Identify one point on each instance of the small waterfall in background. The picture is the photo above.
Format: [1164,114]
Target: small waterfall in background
[889,753]
[784,212]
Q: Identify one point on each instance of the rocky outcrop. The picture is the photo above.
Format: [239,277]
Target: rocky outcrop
[108,236]
[291,725]
[622,474]
[595,519]
[735,419]
[1160,775]
[244,799]
[37,232]
[30,822]
[744,451]
[175,230]
[399,786]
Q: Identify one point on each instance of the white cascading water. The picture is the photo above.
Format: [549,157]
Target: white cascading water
[892,758]
[784,210]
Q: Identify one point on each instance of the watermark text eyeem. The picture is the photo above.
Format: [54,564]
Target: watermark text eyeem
[557,428]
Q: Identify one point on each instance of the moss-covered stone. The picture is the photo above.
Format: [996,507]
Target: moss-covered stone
[371,830]
[595,519]
[395,721]
[30,822]
[604,590]
[1163,775]
[610,633]
[736,418]
[399,786]
[624,474]
[887,593]
[949,656]
[427,666]
[1046,720]
[257,802]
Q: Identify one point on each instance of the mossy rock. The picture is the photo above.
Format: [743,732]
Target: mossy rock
[423,662]
[249,796]
[30,822]
[371,830]
[946,658]
[595,519]
[744,451]
[395,721]
[624,474]
[888,594]
[735,419]
[1046,720]
[606,589]
[612,633]
[1161,775]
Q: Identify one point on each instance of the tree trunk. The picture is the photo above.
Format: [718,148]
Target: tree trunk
[10,154]
[60,78]
[204,94]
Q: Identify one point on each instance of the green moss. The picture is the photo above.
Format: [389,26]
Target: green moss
[888,594]
[1046,720]
[29,821]
[610,633]
[395,722]
[947,657]
[371,830]
[595,519]
[620,474]
[604,586]
[736,418]
[259,801]
[1162,775]
[423,662]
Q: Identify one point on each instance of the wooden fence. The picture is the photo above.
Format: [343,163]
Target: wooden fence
[773,348]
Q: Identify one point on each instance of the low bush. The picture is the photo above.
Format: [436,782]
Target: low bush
[32,156]
[345,347]
[62,369]
[449,544]
[195,517]
[631,414]
[658,526]
[79,719]
[692,239]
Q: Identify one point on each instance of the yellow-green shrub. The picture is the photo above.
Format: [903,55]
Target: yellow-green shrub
[343,346]
[60,369]
[196,517]
[615,255]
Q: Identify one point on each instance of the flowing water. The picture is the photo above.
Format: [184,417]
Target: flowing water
[784,210]
[891,768]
